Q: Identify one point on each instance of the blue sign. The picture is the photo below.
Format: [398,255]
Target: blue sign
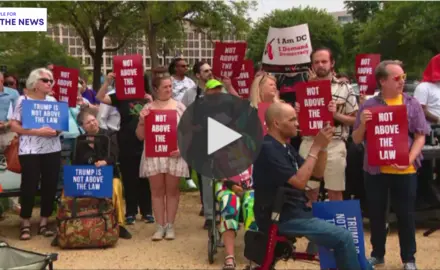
[346,214]
[39,113]
[88,181]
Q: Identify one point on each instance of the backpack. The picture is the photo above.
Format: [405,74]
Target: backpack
[86,222]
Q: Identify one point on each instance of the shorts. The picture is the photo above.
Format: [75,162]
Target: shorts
[334,174]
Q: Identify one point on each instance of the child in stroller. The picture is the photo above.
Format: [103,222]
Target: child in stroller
[232,193]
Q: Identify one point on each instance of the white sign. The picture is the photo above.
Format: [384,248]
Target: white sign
[288,46]
[23,19]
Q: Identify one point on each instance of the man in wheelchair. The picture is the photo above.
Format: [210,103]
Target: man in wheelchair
[280,166]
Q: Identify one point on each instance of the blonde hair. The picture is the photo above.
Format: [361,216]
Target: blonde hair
[255,92]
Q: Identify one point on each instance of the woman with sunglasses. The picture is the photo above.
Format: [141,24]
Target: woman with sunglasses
[40,156]
[398,180]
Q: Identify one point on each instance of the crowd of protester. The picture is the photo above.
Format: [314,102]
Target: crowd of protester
[151,185]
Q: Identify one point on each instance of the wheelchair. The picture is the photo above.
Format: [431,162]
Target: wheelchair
[264,250]
[214,237]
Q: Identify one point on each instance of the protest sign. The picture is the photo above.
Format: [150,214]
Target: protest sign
[242,83]
[88,180]
[129,76]
[228,59]
[387,136]
[287,49]
[40,113]
[346,214]
[262,108]
[65,88]
[313,98]
[160,133]
[245,175]
[365,66]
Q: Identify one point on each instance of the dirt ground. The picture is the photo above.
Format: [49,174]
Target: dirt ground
[189,250]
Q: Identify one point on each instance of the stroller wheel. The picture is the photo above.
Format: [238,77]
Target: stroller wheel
[212,245]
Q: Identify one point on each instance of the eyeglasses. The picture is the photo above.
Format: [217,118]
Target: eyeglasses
[9,83]
[46,80]
[400,77]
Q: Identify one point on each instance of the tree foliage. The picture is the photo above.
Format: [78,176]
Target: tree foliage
[411,35]
[215,18]
[96,20]
[24,51]
[362,10]
[323,28]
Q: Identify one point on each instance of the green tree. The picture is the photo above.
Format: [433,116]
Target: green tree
[350,33]
[24,51]
[95,21]
[164,22]
[411,36]
[323,28]
[363,10]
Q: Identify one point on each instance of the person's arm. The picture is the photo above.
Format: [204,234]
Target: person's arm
[420,129]
[103,114]
[140,129]
[314,164]
[429,116]
[101,95]
[417,146]
[351,107]
[358,128]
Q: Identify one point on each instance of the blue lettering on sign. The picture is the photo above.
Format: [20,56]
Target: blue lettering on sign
[90,181]
[345,214]
[37,114]
[28,21]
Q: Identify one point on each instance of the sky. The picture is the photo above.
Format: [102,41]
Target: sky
[267,6]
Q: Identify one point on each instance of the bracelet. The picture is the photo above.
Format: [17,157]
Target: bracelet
[313,156]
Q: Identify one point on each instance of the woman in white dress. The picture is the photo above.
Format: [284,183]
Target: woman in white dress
[163,172]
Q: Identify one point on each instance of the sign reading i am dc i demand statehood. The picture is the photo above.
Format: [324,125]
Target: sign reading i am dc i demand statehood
[14,19]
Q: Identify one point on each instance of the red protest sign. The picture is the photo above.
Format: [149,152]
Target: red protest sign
[365,66]
[65,88]
[313,98]
[242,83]
[228,59]
[129,76]
[262,108]
[387,136]
[160,133]
[244,176]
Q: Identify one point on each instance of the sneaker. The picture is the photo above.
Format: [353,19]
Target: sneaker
[123,233]
[191,184]
[130,220]
[376,261]
[409,266]
[148,219]
[159,234]
[170,234]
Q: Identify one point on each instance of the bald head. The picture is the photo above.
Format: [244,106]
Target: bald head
[275,112]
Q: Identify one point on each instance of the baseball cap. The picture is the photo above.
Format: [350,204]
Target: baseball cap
[211,84]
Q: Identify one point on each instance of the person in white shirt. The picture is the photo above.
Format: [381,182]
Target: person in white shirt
[181,84]
[108,116]
[428,91]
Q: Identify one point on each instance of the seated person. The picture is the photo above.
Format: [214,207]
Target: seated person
[279,165]
[230,194]
[88,154]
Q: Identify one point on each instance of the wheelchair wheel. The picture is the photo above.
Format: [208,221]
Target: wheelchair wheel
[212,244]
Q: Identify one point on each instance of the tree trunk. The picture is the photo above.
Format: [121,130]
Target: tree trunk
[152,45]
[97,63]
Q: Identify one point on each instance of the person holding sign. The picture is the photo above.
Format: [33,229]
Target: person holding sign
[343,108]
[263,89]
[163,172]
[136,190]
[279,165]
[39,154]
[400,180]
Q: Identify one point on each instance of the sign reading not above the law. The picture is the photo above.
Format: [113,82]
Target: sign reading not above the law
[13,19]
[40,113]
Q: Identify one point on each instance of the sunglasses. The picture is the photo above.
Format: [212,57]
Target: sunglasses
[400,77]
[9,83]
[46,80]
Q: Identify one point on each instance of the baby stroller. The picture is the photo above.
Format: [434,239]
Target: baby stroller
[14,259]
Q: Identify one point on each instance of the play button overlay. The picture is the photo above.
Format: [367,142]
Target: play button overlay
[220,135]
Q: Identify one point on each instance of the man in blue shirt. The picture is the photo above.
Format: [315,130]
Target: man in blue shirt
[8,99]
[279,165]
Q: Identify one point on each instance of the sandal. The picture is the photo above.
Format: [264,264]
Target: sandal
[25,233]
[44,231]
[228,265]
